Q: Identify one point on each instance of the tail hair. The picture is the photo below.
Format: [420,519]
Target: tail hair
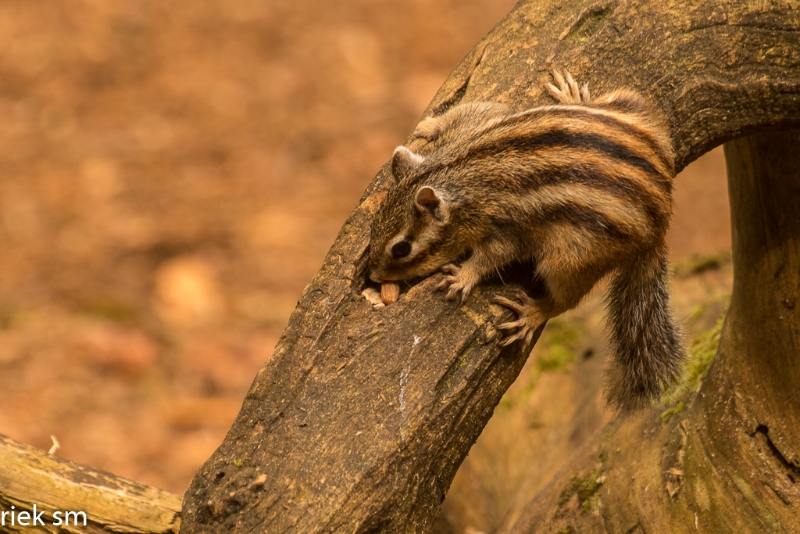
[649,351]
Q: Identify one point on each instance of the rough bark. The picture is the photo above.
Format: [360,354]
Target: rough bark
[30,477]
[360,418]
[731,461]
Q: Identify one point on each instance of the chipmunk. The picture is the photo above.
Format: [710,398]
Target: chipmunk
[583,188]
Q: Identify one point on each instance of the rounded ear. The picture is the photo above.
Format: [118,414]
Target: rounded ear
[403,162]
[429,200]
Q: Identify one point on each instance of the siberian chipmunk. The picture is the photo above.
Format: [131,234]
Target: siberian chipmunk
[582,188]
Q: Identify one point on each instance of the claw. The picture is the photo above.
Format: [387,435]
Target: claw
[465,291]
[529,317]
[454,284]
[529,336]
[510,325]
[507,303]
[566,90]
[524,298]
[511,339]
[444,284]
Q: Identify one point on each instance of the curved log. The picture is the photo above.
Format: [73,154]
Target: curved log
[360,418]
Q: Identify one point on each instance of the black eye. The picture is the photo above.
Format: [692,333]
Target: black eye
[401,249]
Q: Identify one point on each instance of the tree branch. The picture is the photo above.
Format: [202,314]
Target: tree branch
[30,477]
[360,418]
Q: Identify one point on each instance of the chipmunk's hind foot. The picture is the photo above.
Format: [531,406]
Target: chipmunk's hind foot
[530,318]
[566,89]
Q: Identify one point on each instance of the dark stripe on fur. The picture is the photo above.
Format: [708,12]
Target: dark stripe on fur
[576,215]
[619,185]
[559,138]
[583,217]
[582,113]
[603,178]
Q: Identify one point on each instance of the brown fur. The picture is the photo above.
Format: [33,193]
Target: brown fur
[583,188]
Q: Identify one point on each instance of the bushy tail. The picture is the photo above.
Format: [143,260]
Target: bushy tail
[649,350]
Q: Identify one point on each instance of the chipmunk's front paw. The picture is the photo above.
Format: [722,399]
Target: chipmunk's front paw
[530,318]
[457,282]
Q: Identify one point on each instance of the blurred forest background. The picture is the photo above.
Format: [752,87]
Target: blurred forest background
[171,176]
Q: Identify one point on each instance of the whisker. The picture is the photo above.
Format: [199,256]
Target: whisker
[497,270]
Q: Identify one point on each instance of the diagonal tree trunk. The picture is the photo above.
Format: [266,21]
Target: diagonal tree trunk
[360,418]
